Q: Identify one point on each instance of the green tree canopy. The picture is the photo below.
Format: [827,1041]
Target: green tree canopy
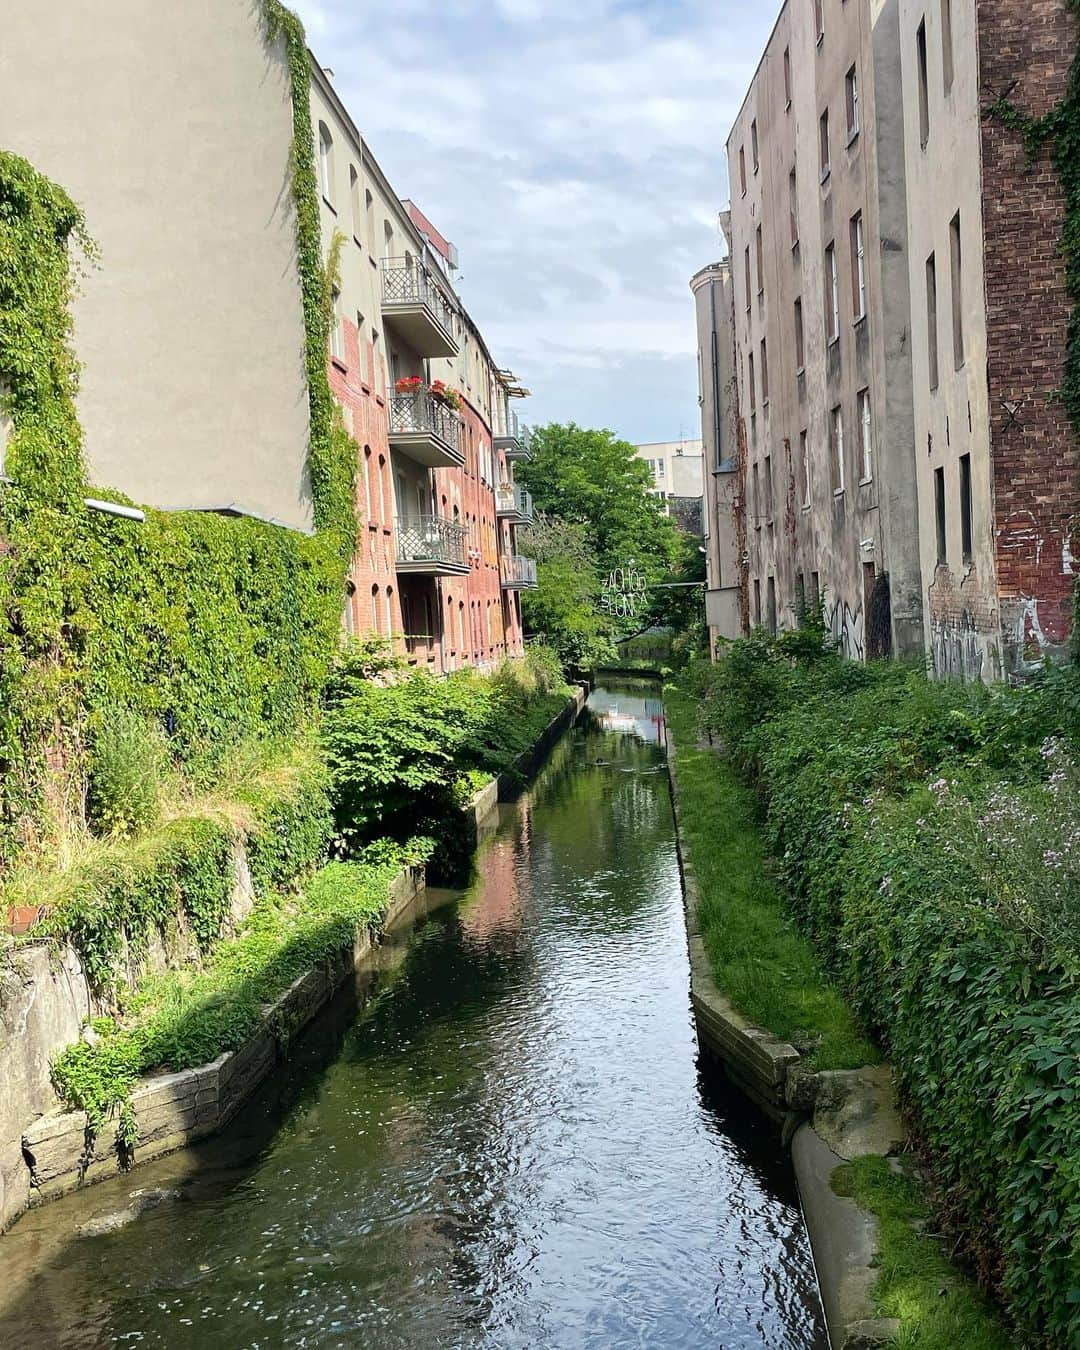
[565,607]
[591,478]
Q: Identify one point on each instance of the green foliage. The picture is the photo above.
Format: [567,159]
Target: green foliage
[398,748]
[128,763]
[759,959]
[188,1017]
[592,478]
[565,606]
[916,1283]
[925,835]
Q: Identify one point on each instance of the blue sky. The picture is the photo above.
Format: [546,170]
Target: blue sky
[574,152]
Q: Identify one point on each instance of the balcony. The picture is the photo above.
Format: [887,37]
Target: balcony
[425,430]
[518,573]
[513,438]
[513,504]
[414,305]
[431,546]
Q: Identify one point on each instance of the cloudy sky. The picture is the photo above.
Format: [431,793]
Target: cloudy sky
[574,152]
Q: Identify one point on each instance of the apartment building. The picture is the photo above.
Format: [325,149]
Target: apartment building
[190,331]
[820,323]
[436,567]
[723,457]
[997,459]
[899,331]
[676,468]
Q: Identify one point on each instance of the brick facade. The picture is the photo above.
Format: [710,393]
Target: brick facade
[1025,50]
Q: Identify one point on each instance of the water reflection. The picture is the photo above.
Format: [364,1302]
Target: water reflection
[503,1139]
[628,706]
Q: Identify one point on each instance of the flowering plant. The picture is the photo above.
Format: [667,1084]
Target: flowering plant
[409,384]
[446,394]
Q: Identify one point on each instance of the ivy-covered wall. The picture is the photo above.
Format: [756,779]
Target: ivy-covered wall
[222,628]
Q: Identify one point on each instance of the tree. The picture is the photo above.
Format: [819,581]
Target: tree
[565,607]
[590,478]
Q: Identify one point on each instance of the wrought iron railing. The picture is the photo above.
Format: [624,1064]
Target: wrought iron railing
[432,539]
[422,411]
[510,499]
[518,571]
[407,282]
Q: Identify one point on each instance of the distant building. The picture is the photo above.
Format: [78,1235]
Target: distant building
[676,467]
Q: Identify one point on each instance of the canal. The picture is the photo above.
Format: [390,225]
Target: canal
[500,1137]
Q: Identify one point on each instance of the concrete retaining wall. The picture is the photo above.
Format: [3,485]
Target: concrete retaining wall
[829,1118]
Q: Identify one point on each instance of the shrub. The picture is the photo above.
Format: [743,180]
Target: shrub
[128,761]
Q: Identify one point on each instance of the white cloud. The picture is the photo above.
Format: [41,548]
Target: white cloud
[573,150]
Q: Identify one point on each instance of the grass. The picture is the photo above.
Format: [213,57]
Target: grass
[759,960]
[938,1309]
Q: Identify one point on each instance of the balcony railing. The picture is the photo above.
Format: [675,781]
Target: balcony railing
[512,436]
[514,503]
[420,417]
[518,573]
[431,544]
[412,298]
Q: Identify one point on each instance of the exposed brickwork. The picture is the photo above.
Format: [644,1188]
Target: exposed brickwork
[1025,50]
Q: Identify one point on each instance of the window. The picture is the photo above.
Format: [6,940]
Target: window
[858,268]
[804,454]
[823,142]
[931,320]
[376,360]
[851,100]
[746,260]
[800,358]
[965,508]
[832,296]
[924,100]
[354,202]
[742,169]
[764,372]
[866,433]
[369,219]
[957,291]
[939,513]
[836,435]
[771,605]
[768,488]
[793,206]
[815,590]
[946,45]
[361,329]
[337,340]
[819,19]
[750,382]
[757,603]
[787,76]
[754,144]
[388,239]
[375,627]
[800,598]
[367,482]
[326,164]
[758,507]
[759,255]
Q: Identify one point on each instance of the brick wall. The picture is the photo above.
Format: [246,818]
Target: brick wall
[1025,50]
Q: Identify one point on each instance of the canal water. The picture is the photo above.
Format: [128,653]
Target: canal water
[502,1137]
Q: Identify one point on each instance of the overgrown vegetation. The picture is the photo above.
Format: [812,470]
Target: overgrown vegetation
[925,836]
[405,751]
[759,959]
[916,1282]
[189,1016]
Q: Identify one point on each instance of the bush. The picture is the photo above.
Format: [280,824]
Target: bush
[128,761]
[928,838]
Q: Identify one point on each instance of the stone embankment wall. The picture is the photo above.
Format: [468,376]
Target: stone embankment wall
[46,1001]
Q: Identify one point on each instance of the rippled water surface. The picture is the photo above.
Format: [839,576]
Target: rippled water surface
[501,1139]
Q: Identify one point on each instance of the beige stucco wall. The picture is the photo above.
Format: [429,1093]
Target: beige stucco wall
[953,420]
[171,126]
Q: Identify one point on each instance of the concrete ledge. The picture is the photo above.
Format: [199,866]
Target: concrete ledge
[509,782]
[173,1110]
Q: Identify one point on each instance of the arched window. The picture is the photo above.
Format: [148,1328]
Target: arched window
[326,163]
[349,612]
[384,515]
[375,611]
[389,614]
[388,239]
[367,481]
